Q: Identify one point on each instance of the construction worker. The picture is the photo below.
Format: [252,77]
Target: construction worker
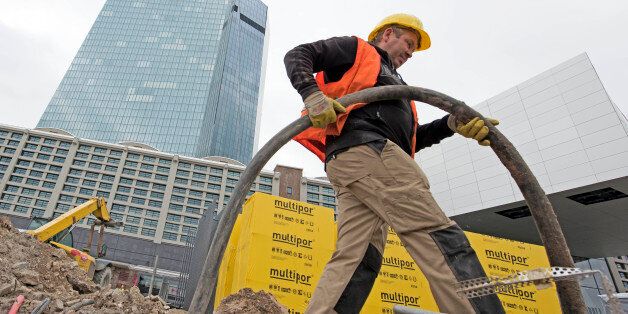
[368,152]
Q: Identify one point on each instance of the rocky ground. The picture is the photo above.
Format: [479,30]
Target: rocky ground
[248,301]
[40,272]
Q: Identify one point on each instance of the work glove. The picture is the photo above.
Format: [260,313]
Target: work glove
[474,129]
[322,109]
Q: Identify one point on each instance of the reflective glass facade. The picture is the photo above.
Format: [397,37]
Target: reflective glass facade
[144,74]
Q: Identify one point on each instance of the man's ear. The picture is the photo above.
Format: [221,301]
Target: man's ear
[387,33]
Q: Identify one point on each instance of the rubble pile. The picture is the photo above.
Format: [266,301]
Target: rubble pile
[248,301]
[45,274]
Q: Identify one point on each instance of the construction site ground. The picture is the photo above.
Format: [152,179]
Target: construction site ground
[38,271]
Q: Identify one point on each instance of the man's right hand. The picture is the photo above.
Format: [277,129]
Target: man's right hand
[322,109]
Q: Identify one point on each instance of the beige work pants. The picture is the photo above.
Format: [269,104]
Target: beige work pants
[376,189]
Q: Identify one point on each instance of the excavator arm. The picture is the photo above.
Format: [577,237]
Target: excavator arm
[96,206]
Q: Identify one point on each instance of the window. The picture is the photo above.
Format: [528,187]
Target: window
[184,165]
[44,194]
[79,163]
[145,174]
[313,196]
[52,176]
[169,236]
[178,199]
[72,180]
[66,198]
[115,153]
[8,197]
[215,171]
[48,185]
[196,193]
[94,165]
[113,161]
[190,220]
[85,148]
[175,207]
[159,187]
[64,144]
[46,149]
[26,153]
[152,213]
[148,232]
[89,182]
[19,171]
[183,173]
[193,201]
[37,212]
[34,182]
[213,187]
[24,163]
[149,159]
[165,161]
[215,179]
[137,200]
[266,188]
[200,168]
[20,209]
[118,208]
[111,168]
[27,146]
[153,203]
[312,188]
[35,139]
[328,190]
[102,194]
[188,230]
[140,192]
[157,195]
[129,171]
[329,199]
[106,177]
[171,227]
[232,181]
[121,197]
[173,217]
[24,200]
[232,173]
[181,181]
[16,179]
[63,152]
[81,155]
[27,191]
[135,210]
[124,189]
[130,164]
[12,188]
[132,219]
[199,176]
[161,177]
[193,210]
[86,191]
[147,167]
[41,203]
[100,150]
[163,169]
[36,174]
[130,229]
[69,188]
[76,172]
[198,184]
[289,190]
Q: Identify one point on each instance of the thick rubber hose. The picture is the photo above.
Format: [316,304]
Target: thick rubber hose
[544,217]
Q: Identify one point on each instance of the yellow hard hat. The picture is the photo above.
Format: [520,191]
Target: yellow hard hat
[405,20]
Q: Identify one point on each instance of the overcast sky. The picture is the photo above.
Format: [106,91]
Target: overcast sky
[479,49]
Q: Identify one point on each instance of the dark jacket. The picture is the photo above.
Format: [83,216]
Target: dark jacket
[373,123]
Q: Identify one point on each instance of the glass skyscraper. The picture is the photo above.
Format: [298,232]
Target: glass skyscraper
[183,77]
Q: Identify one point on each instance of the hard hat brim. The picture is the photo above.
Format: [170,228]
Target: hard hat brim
[425,41]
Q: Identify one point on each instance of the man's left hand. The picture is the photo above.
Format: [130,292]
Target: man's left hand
[475,129]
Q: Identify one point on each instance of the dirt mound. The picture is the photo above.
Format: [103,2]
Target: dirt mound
[39,271]
[248,301]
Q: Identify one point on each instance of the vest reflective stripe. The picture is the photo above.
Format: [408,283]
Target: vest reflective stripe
[363,74]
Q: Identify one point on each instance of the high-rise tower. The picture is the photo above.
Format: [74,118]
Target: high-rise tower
[183,77]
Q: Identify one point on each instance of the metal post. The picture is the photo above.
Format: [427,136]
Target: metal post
[152,278]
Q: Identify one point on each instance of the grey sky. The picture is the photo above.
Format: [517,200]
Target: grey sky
[479,49]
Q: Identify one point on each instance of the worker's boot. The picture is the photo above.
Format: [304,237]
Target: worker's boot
[465,265]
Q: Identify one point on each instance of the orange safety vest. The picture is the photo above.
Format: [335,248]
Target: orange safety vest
[363,74]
